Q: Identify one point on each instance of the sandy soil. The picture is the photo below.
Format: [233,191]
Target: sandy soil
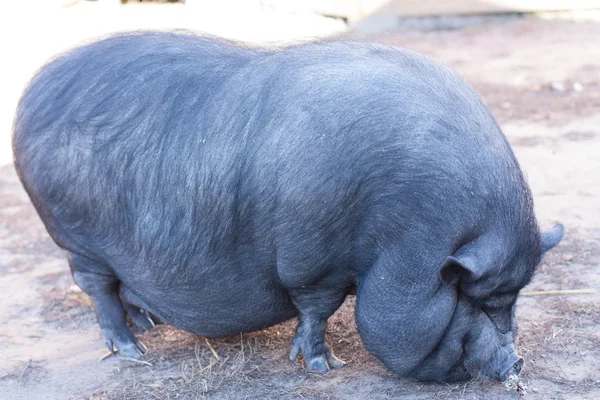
[50,344]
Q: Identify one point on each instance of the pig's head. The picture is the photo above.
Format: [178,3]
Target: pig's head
[465,326]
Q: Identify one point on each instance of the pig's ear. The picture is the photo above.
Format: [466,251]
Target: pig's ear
[456,268]
[552,237]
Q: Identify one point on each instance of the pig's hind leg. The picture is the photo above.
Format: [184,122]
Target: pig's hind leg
[97,280]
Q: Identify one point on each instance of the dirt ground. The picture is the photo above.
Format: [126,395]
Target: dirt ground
[50,344]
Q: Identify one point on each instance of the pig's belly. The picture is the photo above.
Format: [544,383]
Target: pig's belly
[216,309]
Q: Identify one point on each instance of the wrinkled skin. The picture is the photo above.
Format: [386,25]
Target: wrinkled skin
[223,189]
[463,326]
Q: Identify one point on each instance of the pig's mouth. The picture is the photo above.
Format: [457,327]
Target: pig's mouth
[504,363]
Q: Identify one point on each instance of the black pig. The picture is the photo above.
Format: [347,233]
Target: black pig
[225,189]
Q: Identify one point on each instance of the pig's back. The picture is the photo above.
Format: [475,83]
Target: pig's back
[107,125]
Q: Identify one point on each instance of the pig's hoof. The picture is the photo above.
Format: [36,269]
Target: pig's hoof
[323,364]
[124,343]
[335,362]
[320,363]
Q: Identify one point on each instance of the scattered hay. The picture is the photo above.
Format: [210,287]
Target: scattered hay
[25,371]
[514,383]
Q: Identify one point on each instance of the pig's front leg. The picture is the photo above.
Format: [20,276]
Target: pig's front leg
[315,304]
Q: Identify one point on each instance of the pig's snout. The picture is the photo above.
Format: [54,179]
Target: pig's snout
[506,363]
[512,367]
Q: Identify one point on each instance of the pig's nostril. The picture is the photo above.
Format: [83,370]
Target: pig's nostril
[516,368]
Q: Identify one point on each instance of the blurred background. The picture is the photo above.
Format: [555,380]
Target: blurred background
[535,62]
[31,31]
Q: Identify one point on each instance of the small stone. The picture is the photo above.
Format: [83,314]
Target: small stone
[577,87]
[557,86]
[534,389]
[569,257]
